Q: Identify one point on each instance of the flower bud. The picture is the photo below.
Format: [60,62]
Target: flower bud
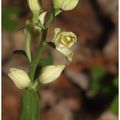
[50,73]
[39,21]
[34,6]
[65,4]
[64,41]
[19,77]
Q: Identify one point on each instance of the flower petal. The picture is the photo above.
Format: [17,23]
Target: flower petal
[50,73]
[42,17]
[66,52]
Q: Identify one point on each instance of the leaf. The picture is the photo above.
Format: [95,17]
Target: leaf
[115,82]
[23,27]
[27,43]
[10,18]
[46,61]
[96,74]
[43,62]
[31,105]
[27,26]
[20,52]
[114,105]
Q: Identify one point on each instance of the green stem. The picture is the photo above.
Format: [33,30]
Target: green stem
[36,58]
[114,105]
[21,114]
[50,19]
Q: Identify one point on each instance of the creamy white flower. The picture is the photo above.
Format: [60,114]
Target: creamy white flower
[34,6]
[65,4]
[64,41]
[19,77]
[50,73]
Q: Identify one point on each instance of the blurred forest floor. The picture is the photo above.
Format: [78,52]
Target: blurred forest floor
[88,86]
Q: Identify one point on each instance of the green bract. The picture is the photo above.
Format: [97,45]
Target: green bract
[39,21]
[27,43]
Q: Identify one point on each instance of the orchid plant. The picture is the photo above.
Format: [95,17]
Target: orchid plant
[62,42]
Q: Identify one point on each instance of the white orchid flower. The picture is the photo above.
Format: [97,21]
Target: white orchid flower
[64,42]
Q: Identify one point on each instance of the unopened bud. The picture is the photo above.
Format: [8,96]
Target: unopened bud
[65,4]
[19,77]
[50,73]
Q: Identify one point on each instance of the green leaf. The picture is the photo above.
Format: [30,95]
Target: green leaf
[43,62]
[96,74]
[27,26]
[27,43]
[114,105]
[31,105]
[115,82]
[46,61]
[10,18]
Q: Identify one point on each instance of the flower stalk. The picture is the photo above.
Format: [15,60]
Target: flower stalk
[36,58]
[62,41]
